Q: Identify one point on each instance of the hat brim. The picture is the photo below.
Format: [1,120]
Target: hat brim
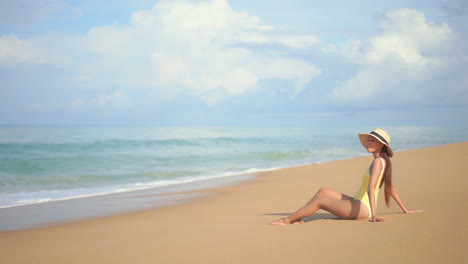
[363,139]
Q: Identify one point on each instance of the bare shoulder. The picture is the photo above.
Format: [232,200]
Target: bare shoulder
[383,161]
[378,163]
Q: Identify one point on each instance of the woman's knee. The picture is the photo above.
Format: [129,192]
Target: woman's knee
[322,192]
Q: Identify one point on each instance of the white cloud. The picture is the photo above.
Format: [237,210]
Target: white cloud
[174,47]
[287,69]
[16,51]
[403,64]
[200,51]
[410,39]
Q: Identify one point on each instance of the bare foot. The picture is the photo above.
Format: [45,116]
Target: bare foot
[282,221]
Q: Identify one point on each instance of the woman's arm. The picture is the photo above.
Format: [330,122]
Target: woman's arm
[396,197]
[377,167]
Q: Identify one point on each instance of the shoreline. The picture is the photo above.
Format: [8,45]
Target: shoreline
[62,212]
[69,210]
[232,226]
[182,183]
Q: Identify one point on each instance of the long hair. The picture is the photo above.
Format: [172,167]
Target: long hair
[387,176]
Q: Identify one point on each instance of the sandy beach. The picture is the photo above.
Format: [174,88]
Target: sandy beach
[231,226]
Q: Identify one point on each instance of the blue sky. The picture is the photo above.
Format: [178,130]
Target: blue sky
[237,62]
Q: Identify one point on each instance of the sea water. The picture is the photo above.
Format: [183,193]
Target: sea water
[43,164]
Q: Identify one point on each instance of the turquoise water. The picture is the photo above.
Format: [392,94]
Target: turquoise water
[41,164]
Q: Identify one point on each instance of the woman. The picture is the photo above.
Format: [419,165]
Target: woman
[364,204]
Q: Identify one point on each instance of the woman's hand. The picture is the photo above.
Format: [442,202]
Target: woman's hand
[377,219]
[414,211]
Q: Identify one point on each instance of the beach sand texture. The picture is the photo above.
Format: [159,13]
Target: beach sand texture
[232,225]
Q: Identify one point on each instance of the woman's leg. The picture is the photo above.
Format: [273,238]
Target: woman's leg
[339,204]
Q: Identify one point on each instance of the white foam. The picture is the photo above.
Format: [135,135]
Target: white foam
[30,198]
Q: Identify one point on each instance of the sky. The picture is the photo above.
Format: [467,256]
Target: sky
[233,62]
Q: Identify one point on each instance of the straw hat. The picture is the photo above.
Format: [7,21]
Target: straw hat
[379,134]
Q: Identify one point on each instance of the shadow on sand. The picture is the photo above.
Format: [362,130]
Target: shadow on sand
[326,216]
[314,217]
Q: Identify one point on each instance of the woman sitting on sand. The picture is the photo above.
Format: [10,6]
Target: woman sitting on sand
[364,204]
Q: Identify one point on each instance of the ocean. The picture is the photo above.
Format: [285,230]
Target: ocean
[44,164]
